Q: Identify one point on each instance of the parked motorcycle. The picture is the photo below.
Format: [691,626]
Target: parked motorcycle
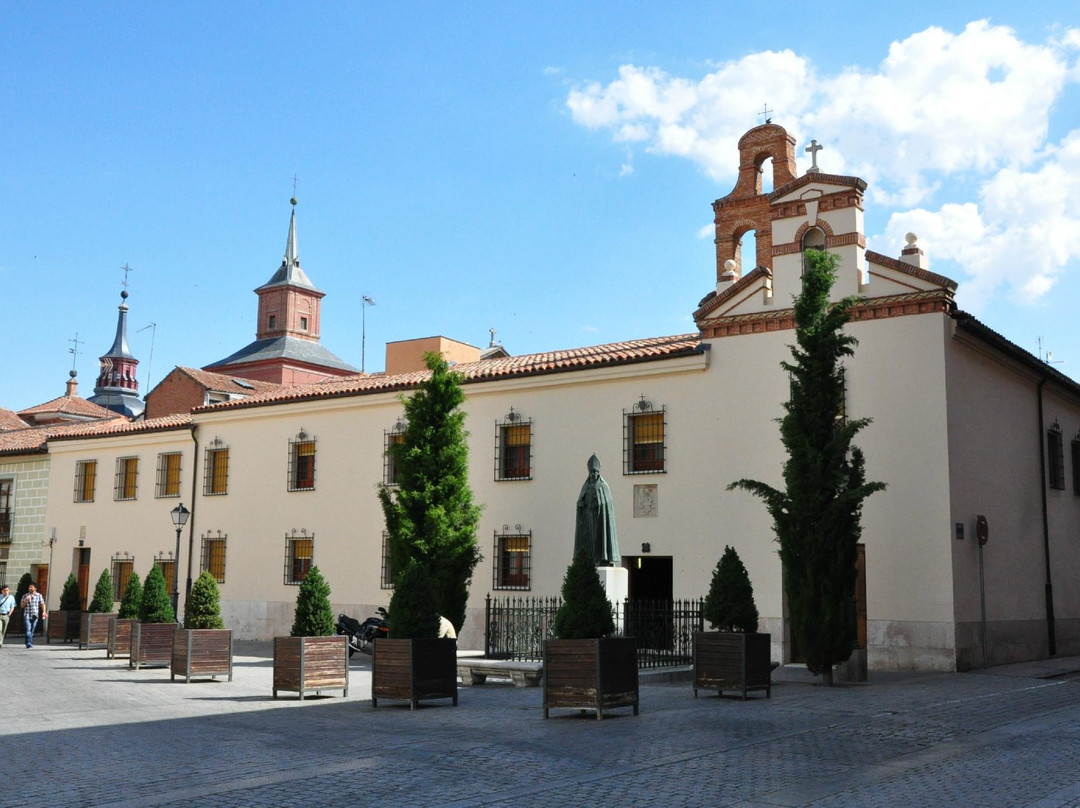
[362,635]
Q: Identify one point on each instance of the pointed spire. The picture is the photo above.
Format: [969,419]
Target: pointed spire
[292,257]
[290,273]
[117,385]
[120,347]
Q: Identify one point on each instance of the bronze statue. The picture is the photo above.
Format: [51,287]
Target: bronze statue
[595,528]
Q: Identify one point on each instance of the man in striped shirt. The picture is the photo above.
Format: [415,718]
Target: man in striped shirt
[33,610]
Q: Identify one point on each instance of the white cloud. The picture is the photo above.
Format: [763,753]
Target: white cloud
[707,231]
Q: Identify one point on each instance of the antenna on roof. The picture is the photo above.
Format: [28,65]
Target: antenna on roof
[150,363]
[1049,356]
[75,350]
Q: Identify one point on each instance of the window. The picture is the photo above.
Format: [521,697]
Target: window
[85,475]
[3,573]
[391,464]
[298,554]
[512,564]
[5,511]
[121,574]
[513,448]
[217,469]
[303,323]
[1056,454]
[273,322]
[302,463]
[168,475]
[643,444]
[127,476]
[1076,464]
[813,239]
[213,556]
[387,579]
[168,569]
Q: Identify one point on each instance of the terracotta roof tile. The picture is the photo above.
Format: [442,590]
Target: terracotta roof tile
[224,383]
[110,428]
[71,405]
[9,420]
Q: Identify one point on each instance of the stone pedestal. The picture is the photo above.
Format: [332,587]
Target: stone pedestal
[616,583]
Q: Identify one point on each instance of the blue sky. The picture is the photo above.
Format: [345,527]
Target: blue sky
[547,171]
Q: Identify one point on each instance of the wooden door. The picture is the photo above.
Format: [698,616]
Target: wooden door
[83,576]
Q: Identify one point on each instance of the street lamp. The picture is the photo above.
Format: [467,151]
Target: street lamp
[179,516]
[365,301]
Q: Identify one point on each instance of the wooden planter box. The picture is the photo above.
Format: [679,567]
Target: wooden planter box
[151,644]
[202,652]
[94,630]
[593,674]
[414,670]
[63,625]
[119,642]
[732,661]
[311,664]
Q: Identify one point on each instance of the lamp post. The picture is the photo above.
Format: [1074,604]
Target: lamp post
[365,301]
[179,516]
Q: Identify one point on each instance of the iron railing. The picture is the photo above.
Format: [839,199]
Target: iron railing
[515,628]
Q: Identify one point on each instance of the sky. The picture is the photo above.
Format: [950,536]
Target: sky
[546,170]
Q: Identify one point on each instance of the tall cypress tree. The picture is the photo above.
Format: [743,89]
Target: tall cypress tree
[430,515]
[103,595]
[817,518]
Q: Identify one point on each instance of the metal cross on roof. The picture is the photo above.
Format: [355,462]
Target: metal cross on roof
[126,269]
[767,112]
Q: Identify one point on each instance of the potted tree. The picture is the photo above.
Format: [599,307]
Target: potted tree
[585,666]
[152,635]
[63,624]
[120,626]
[735,656]
[16,627]
[94,624]
[204,646]
[414,663]
[312,658]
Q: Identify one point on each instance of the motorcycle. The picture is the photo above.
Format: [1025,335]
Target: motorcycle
[362,635]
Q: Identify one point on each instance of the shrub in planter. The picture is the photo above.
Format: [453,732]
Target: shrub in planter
[151,637]
[736,657]
[64,622]
[102,601]
[120,626]
[204,646]
[413,664]
[16,626]
[312,658]
[203,606]
[94,625]
[584,667]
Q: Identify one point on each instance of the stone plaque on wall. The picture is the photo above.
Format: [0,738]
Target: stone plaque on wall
[645,500]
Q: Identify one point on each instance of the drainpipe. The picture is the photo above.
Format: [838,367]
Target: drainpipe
[191,520]
[1046,525]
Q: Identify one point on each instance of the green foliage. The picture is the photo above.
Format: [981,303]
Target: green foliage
[817,517]
[430,515]
[413,615]
[69,596]
[132,599]
[155,606]
[23,586]
[585,611]
[729,605]
[314,617]
[102,601]
[203,606]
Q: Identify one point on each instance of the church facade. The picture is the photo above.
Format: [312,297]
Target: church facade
[970,557]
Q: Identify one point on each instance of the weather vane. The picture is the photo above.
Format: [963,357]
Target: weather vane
[126,270]
[767,112]
[75,350]
[295,179]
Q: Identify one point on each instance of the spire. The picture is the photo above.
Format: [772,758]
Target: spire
[290,273]
[117,387]
[120,347]
[292,258]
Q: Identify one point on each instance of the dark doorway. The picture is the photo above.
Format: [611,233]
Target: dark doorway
[650,578]
[649,615]
[83,576]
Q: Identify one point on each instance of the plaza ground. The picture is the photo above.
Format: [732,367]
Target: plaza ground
[83,730]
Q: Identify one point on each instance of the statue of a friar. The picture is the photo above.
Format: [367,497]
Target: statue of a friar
[595,528]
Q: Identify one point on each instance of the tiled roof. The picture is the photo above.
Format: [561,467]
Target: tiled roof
[911,269]
[223,383]
[33,439]
[70,405]
[617,353]
[9,420]
[287,347]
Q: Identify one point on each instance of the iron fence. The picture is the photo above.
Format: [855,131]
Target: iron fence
[515,628]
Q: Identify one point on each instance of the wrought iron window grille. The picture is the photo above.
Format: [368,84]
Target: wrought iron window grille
[301,472]
[213,555]
[513,558]
[513,448]
[168,475]
[644,438]
[299,554]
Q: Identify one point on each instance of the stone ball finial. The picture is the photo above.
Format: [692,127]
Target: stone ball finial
[293,201]
[911,238]
[729,265]
[73,373]
[124,295]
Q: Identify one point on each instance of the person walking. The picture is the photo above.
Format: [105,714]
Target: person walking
[33,610]
[7,606]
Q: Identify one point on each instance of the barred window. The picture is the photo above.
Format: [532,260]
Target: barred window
[393,437]
[643,439]
[1056,453]
[299,551]
[3,573]
[168,475]
[121,574]
[386,581]
[512,554]
[213,556]
[302,463]
[127,476]
[513,448]
[5,511]
[216,468]
[85,477]
[167,565]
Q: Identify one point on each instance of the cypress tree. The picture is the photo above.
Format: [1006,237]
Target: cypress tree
[155,606]
[817,517]
[132,599]
[729,605]
[430,515]
[314,617]
[69,596]
[23,586]
[585,612]
[102,601]
[412,610]
[203,606]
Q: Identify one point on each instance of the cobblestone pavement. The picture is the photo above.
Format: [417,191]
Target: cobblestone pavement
[82,730]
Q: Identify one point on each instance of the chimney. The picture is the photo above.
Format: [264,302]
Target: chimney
[72,385]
